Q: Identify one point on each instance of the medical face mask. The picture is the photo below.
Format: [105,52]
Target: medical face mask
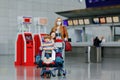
[58,23]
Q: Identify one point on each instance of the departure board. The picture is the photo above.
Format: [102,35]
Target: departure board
[100,3]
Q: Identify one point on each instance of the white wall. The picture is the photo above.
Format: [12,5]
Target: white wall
[91,31]
[10,9]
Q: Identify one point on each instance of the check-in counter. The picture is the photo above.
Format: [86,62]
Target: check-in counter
[105,44]
[93,54]
[111,50]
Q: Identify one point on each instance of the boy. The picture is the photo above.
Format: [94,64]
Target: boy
[48,46]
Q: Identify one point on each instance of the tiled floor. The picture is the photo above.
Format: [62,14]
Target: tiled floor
[76,69]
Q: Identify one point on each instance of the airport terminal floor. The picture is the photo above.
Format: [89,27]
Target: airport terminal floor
[75,66]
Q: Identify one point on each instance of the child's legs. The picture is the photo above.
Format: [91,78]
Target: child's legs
[40,63]
[47,55]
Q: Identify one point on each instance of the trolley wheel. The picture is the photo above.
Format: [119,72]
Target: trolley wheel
[37,66]
[59,74]
[53,75]
[42,75]
[48,75]
[64,74]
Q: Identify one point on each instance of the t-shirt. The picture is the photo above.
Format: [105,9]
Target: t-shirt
[58,29]
[58,34]
[49,46]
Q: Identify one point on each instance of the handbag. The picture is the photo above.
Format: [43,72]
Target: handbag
[68,46]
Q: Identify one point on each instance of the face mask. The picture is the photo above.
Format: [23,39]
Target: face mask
[58,23]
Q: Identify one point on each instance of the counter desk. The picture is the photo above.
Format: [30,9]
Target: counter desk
[108,49]
[105,44]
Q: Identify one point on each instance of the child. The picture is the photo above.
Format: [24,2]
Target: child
[53,36]
[59,59]
[48,46]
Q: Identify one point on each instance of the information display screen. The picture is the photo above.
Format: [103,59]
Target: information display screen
[28,37]
[102,20]
[75,22]
[70,22]
[115,19]
[43,21]
[81,22]
[109,19]
[96,20]
[86,21]
[100,3]
[65,22]
[27,20]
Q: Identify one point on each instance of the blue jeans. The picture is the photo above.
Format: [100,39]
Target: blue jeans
[47,55]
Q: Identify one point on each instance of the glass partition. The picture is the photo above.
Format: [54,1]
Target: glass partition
[117,33]
[100,31]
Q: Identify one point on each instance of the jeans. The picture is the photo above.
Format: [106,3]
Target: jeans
[47,55]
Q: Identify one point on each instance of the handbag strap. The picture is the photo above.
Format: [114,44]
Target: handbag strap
[64,32]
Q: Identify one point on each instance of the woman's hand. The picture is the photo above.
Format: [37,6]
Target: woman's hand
[65,39]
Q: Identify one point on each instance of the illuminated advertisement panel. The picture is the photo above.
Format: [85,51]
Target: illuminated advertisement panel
[102,20]
[80,21]
[86,21]
[70,22]
[75,22]
[109,19]
[96,20]
[115,19]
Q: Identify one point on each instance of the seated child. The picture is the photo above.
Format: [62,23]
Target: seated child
[53,35]
[59,59]
[48,46]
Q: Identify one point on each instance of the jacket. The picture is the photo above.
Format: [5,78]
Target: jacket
[63,31]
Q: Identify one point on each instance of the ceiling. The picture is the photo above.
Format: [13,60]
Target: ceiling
[88,12]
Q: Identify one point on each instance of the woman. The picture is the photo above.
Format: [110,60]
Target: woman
[60,30]
[60,33]
[97,42]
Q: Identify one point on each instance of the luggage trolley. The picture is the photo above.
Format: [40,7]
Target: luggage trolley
[57,63]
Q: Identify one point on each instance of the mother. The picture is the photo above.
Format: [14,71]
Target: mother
[60,30]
